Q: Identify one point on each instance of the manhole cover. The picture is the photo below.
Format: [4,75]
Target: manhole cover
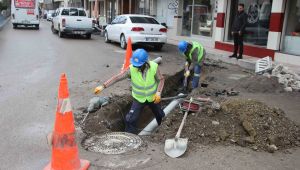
[113,143]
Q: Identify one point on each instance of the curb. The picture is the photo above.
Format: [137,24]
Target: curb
[4,23]
[244,63]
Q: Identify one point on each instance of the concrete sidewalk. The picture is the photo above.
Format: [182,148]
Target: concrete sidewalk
[247,62]
[3,21]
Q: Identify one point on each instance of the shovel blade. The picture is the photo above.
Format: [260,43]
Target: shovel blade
[175,148]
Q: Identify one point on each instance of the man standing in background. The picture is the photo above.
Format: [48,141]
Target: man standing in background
[238,29]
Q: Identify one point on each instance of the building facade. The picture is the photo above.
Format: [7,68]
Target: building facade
[273,26]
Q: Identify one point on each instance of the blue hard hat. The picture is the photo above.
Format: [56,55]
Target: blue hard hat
[182,46]
[139,57]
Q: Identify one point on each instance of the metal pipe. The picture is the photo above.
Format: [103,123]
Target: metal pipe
[153,124]
[158,60]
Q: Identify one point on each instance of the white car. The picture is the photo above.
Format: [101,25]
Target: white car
[72,21]
[141,29]
[50,15]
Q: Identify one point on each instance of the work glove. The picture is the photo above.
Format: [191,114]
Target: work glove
[187,73]
[98,89]
[157,98]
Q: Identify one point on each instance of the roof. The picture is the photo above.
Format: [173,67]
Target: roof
[136,15]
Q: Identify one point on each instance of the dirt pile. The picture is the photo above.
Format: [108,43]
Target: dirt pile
[247,123]
[260,84]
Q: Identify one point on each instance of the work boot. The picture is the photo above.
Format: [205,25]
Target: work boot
[233,56]
[239,57]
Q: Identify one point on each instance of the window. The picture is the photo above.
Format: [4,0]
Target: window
[122,20]
[73,12]
[82,13]
[143,20]
[258,20]
[65,12]
[142,7]
[115,21]
[291,39]
[198,16]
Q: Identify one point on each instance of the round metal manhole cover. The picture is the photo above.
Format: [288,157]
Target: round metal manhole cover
[113,143]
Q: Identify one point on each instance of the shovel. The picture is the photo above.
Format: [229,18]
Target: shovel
[181,95]
[177,146]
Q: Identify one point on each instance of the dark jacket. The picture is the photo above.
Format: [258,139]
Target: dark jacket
[239,22]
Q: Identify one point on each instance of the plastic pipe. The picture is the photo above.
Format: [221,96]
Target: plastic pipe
[157,60]
[153,124]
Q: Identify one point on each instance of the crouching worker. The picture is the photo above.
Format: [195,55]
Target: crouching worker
[147,83]
[194,54]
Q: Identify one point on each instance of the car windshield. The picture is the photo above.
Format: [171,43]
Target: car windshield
[143,20]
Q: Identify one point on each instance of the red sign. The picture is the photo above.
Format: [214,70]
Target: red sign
[30,12]
[24,3]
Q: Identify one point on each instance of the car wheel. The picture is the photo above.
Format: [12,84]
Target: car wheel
[37,27]
[53,29]
[158,47]
[88,36]
[123,42]
[106,37]
[60,34]
[15,26]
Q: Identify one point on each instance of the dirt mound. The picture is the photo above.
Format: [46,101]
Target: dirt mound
[247,123]
[260,84]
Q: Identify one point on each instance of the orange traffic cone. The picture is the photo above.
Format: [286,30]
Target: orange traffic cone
[64,147]
[127,56]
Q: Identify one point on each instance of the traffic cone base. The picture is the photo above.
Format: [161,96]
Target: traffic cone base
[65,154]
[84,165]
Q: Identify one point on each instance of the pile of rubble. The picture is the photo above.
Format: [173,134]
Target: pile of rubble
[247,123]
[286,77]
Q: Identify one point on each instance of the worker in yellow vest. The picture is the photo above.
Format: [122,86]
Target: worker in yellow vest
[194,54]
[147,83]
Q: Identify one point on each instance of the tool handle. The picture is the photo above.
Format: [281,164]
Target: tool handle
[175,97]
[181,125]
[183,120]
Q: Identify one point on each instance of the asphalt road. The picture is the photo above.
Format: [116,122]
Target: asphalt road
[31,62]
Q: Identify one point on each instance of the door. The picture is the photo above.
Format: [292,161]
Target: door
[119,26]
[55,19]
[112,30]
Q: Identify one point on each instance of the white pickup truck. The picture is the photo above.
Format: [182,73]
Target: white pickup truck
[72,21]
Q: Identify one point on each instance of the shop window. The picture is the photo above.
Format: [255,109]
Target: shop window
[258,20]
[291,39]
[143,7]
[198,17]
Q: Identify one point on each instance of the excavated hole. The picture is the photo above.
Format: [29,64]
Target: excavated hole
[111,117]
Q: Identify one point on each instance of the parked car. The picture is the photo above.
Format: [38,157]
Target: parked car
[72,21]
[50,15]
[141,29]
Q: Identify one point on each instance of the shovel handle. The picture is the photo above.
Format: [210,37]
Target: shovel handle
[183,121]
[181,125]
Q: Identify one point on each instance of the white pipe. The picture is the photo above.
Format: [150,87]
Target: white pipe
[157,60]
[153,124]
